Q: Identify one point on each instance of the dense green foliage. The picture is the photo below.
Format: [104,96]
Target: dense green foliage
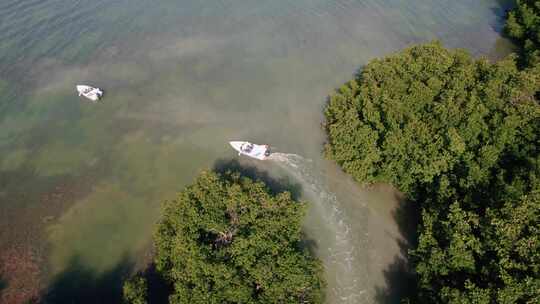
[227,239]
[481,255]
[135,290]
[523,24]
[460,137]
[411,118]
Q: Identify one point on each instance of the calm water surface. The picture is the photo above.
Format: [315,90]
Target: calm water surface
[81,183]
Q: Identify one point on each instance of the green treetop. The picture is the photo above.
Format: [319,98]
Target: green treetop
[226,239]
[135,290]
[428,115]
[523,24]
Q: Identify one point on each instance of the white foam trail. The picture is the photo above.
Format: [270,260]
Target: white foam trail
[340,251]
[288,158]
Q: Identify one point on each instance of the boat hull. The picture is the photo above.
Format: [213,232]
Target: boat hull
[89,92]
[260,152]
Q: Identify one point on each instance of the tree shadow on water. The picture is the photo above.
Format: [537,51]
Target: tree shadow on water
[400,278]
[308,244]
[500,11]
[275,185]
[158,288]
[3,284]
[80,284]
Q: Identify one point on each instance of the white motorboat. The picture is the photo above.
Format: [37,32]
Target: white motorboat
[89,92]
[252,150]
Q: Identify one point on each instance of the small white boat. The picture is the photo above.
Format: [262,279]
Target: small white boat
[252,150]
[89,92]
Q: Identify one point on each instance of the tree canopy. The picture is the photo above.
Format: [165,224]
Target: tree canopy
[227,239]
[523,25]
[460,137]
[426,112]
[135,290]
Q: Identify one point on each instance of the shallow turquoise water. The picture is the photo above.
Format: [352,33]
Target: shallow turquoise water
[83,182]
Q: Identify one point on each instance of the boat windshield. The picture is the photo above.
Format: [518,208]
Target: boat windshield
[247,148]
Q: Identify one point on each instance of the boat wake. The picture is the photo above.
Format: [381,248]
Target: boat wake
[344,280]
[287,158]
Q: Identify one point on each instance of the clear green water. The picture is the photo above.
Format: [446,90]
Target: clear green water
[81,183]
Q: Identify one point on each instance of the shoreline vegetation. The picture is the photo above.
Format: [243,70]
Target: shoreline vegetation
[228,239]
[523,26]
[460,137]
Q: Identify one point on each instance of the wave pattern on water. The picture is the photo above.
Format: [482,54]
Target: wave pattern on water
[342,254]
